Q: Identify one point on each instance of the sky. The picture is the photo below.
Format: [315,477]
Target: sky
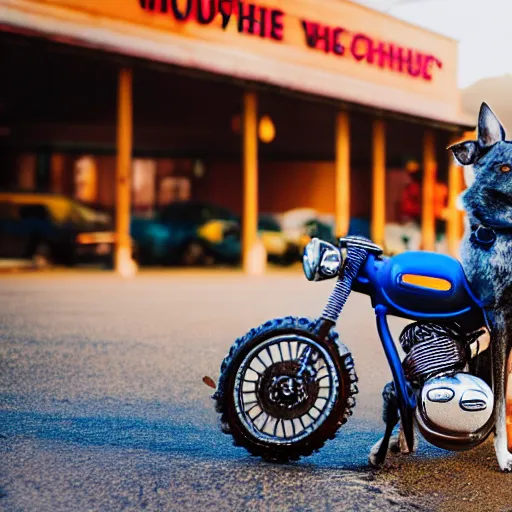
[482,27]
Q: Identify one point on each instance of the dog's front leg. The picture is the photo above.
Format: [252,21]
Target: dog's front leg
[399,444]
[500,351]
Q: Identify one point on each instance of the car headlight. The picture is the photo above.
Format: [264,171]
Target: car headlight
[321,260]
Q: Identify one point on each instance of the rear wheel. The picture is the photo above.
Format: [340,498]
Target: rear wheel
[272,407]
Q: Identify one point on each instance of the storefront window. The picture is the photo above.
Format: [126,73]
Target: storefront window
[173,189]
[143,185]
[85,179]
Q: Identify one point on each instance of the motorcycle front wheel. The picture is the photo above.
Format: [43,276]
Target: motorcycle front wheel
[273,408]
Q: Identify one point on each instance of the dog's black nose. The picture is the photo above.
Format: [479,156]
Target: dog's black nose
[483,236]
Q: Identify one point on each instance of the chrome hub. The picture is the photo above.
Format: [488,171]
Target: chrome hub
[285,394]
[287,391]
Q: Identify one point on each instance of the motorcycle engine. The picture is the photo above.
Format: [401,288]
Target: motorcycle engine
[450,400]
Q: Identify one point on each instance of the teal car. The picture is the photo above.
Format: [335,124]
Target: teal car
[199,233]
[188,233]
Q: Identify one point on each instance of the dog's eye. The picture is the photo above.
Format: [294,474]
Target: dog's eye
[505,168]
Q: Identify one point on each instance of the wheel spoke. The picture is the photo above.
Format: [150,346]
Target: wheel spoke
[251,375]
[257,365]
[280,429]
[300,349]
[285,346]
[270,426]
[320,403]
[280,352]
[324,392]
[249,397]
[293,349]
[254,412]
[261,420]
[314,412]
[265,358]
[258,411]
[274,433]
[247,411]
[324,372]
[248,386]
[306,420]
[263,363]
[275,353]
[299,426]
[288,428]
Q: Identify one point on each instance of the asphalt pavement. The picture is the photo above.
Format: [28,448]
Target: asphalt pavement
[103,408]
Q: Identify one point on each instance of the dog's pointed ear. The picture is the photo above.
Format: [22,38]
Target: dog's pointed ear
[466,153]
[490,129]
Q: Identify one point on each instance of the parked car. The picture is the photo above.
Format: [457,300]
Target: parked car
[280,248]
[303,224]
[300,225]
[53,229]
[200,233]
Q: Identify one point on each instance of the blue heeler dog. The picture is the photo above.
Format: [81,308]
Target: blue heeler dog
[486,249]
[486,256]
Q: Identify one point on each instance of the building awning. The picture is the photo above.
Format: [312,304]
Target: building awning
[336,50]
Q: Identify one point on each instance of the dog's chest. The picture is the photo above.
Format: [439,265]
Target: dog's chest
[489,271]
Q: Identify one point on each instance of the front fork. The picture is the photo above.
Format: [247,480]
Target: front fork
[405,396]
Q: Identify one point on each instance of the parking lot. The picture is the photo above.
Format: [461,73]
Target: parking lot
[103,405]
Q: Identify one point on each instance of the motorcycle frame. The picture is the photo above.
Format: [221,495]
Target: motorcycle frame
[374,282]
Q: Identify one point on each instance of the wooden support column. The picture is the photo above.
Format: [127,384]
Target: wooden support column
[378,182]
[250,182]
[454,223]
[428,222]
[123,259]
[342,174]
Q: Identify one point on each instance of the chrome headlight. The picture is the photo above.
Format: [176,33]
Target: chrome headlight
[321,260]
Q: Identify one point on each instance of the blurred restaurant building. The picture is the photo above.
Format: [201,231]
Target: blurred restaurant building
[132,104]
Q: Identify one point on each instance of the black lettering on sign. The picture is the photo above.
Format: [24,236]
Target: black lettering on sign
[248,15]
[226,10]
[178,13]
[205,17]
[310,32]
[315,32]
[337,46]
[263,21]
[148,5]
[276,27]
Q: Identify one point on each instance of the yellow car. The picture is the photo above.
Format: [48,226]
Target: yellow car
[52,228]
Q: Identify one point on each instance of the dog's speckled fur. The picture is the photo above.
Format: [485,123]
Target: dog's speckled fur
[488,201]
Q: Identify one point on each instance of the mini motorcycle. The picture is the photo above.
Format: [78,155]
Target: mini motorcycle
[287,386]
